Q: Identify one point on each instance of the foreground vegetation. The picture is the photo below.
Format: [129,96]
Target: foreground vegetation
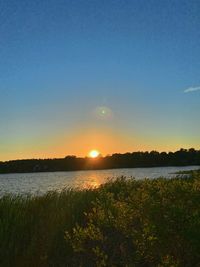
[122,223]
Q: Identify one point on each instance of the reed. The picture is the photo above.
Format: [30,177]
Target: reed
[125,222]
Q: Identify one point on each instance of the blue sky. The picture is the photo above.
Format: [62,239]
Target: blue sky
[60,60]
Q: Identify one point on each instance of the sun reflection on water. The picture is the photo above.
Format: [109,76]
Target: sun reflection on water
[93,180]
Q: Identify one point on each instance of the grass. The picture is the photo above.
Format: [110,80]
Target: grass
[122,223]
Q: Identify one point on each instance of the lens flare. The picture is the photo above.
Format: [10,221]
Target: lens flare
[103,113]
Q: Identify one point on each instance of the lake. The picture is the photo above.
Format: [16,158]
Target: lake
[40,183]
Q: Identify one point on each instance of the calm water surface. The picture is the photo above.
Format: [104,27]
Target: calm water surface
[40,183]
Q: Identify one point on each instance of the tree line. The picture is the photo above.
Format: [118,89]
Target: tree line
[182,157]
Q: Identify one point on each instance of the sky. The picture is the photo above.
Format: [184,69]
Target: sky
[112,75]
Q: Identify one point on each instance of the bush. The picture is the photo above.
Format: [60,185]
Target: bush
[147,223]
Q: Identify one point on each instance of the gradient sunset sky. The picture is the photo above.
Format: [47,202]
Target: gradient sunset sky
[112,75]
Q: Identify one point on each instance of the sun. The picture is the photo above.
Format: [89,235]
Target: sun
[94,153]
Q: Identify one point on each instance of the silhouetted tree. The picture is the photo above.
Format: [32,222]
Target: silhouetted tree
[181,157]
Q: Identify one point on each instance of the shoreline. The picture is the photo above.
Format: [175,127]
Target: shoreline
[122,223]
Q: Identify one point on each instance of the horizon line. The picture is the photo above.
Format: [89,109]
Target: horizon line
[100,155]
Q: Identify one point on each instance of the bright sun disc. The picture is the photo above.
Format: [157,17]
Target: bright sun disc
[94,153]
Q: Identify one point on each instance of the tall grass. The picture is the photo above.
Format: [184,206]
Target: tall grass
[122,223]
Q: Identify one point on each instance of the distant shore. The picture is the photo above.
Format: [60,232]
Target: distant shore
[182,157]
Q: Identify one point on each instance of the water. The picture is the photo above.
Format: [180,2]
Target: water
[40,183]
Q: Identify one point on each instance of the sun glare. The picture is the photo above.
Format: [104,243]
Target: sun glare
[94,153]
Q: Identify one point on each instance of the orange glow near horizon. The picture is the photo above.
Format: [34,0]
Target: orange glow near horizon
[83,139]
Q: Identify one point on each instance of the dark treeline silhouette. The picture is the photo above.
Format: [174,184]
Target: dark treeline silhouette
[182,157]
